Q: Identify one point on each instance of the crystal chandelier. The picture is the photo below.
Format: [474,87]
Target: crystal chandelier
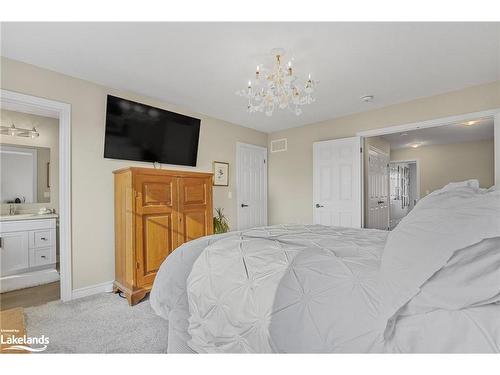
[278,87]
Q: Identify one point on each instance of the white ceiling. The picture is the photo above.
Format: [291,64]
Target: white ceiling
[200,66]
[453,133]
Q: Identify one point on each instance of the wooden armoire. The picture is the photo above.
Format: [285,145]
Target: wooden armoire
[156,211]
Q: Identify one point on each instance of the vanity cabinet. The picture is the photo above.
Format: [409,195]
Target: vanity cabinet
[14,252]
[156,211]
[27,245]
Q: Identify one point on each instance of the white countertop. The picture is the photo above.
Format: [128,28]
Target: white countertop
[34,216]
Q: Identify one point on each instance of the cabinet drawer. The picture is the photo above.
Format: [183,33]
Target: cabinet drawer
[41,257]
[42,238]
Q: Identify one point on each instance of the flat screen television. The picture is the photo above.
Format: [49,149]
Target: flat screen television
[139,132]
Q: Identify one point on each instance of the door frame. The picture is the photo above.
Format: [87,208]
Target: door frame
[62,111]
[239,146]
[442,121]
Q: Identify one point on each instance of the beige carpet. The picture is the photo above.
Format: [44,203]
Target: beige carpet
[103,323]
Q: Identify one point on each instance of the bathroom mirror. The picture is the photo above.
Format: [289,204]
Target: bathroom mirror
[25,174]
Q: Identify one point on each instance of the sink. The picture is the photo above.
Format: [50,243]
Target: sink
[26,217]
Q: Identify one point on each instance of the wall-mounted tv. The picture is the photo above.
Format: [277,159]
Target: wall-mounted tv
[139,132]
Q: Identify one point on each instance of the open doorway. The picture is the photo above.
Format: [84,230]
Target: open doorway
[29,197]
[422,160]
[35,220]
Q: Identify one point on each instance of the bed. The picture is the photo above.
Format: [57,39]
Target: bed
[430,285]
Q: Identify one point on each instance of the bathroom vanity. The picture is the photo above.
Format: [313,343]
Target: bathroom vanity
[28,246]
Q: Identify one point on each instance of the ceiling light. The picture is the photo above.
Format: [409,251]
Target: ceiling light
[367,98]
[469,123]
[278,87]
[416,145]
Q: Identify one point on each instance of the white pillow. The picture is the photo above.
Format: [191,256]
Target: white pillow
[450,219]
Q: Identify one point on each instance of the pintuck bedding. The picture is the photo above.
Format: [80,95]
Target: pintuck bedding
[430,285]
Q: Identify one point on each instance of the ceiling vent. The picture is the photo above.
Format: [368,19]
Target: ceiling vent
[279,145]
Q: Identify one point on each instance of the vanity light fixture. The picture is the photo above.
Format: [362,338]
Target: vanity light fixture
[19,132]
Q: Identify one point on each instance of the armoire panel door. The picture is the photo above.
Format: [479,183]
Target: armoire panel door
[195,208]
[156,223]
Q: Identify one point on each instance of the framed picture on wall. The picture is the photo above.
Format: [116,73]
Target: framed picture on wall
[221,173]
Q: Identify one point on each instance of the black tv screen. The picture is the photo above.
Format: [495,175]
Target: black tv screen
[136,131]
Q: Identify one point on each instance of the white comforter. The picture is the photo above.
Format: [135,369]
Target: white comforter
[433,286]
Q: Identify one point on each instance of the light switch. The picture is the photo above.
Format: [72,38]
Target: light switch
[230,194]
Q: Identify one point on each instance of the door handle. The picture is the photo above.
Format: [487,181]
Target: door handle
[380,202]
[244,205]
[318,205]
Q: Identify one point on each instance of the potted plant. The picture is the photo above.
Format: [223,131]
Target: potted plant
[220,221]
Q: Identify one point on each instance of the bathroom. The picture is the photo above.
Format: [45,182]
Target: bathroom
[29,196]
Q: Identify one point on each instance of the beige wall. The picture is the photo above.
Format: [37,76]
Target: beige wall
[49,137]
[290,173]
[441,164]
[92,180]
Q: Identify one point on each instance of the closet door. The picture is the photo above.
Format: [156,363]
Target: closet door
[156,223]
[195,208]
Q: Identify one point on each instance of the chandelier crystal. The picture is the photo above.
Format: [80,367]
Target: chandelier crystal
[278,87]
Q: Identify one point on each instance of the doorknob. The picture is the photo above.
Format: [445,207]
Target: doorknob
[244,205]
[318,205]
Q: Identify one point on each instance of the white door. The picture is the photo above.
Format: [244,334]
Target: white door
[251,182]
[337,182]
[14,252]
[378,190]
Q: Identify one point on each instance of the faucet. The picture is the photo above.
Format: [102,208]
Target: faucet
[12,209]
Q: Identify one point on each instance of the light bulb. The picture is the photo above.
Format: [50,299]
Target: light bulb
[34,133]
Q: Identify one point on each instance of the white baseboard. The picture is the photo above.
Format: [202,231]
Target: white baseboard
[28,280]
[92,289]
